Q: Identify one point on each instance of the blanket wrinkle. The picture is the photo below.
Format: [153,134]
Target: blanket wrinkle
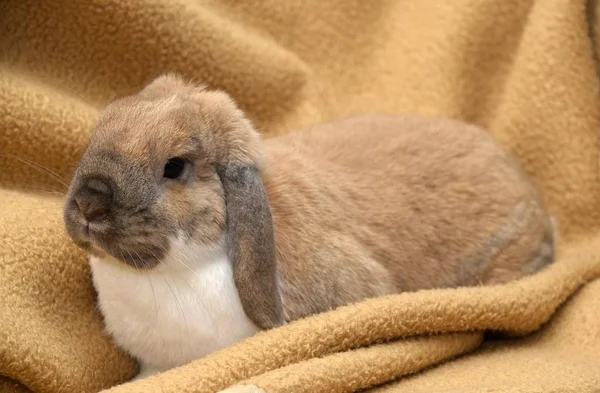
[386,362]
[525,69]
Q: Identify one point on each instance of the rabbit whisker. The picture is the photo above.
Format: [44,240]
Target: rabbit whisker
[39,167]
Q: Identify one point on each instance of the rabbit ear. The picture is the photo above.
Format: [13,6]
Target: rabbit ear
[251,243]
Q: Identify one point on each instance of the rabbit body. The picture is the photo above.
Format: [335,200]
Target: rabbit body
[202,234]
[418,206]
[373,205]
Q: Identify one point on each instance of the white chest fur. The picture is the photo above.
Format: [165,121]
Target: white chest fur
[184,309]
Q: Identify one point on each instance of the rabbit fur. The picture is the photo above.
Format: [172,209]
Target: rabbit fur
[256,233]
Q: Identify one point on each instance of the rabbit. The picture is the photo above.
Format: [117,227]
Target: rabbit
[201,233]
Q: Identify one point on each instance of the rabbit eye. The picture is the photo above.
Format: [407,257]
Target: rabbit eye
[174,168]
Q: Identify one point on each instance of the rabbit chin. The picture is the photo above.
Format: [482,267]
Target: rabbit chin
[185,308]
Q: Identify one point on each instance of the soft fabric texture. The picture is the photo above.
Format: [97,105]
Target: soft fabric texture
[527,70]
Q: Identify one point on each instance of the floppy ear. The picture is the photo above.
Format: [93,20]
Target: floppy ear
[251,243]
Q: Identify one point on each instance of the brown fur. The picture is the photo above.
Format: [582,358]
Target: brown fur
[357,208]
[379,204]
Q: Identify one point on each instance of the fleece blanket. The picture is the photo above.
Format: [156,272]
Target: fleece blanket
[527,70]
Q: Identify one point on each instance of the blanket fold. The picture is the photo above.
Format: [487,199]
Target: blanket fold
[385,362]
[525,69]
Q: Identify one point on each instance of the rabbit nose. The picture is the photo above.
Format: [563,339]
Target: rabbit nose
[94,199]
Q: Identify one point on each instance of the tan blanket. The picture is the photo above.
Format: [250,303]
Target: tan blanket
[525,69]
